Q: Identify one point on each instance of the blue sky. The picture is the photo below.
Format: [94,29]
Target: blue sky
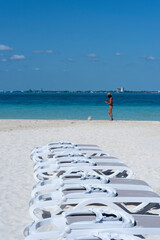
[79,44]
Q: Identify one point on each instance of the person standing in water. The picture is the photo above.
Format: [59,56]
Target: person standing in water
[110,103]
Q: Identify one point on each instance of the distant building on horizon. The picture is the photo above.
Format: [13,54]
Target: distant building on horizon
[120,90]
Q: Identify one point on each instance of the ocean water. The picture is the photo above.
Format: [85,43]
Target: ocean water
[127,106]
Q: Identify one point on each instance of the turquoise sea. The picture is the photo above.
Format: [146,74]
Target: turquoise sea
[127,106]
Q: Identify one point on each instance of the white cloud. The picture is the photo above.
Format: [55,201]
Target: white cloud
[150,58]
[48,51]
[118,54]
[93,59]
[91,55]
[36,69]
[42,51]
[70,60]
[4,60]
[17,57]
[5,48]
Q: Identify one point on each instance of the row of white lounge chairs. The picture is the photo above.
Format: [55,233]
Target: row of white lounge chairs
[82,193]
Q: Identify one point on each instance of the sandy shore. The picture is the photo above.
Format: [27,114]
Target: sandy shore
[136,143]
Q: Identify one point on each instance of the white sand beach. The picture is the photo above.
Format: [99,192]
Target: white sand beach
[136,143]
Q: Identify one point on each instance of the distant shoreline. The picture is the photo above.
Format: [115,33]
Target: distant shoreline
[67,91]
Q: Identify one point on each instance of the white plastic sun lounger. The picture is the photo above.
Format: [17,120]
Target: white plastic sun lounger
[92,177]
[71,158]
[107,235]
[52,146]
[59,144]
[109,169]
[71,195]
[82,150]
[80,221]
[102,235]
[44,151]
[43,156]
